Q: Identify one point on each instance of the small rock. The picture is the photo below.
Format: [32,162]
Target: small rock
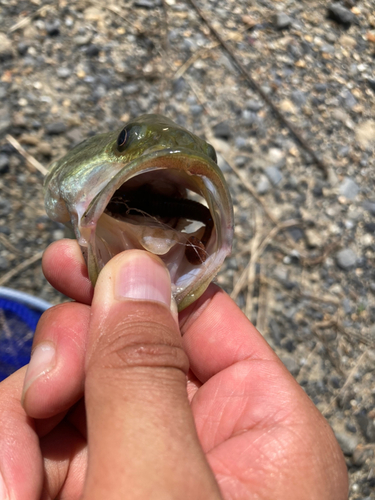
[249,117]
[314,238]
[81,40]
[5,230]
[58,234]
[147,4]
[130,88]
[346,305]
[274,175]
[22,48]
[92,50]
[282,21]
[299,97]
[4,163]
[367,426]
[361,455]
[346,258]
[287,106]
[263,185]
[56,128]
[349,100]
[254,106]
[93,14]
[347,41]
[6,48]
[240,142]
[223,130]
[369,227]
[296,233]
[53,27]
[196,109]
[4,263]
[44,148]
[365,133]
[75,136]
[348,188]
[340,14]
[63,72]
[5,207]
[348,442]
[369,206]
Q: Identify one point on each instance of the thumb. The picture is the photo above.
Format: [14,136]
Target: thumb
[141,436]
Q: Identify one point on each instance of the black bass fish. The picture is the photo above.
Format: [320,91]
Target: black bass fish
[151,185]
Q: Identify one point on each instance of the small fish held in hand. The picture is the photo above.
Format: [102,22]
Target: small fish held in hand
[151,185]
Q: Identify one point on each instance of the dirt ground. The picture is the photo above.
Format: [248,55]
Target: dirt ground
[302,266]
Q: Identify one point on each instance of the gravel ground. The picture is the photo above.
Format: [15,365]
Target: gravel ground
[302,266]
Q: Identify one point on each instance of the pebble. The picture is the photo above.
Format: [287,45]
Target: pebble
[348,188]
[367,426]
[340,14]
[369,227]
[346,258]
[6,48]
[5,207]
[147,4]
[53,27]
[263,185]
[365,133]
[282,21]
[314,238]
[55,128]
[63,72]
[274,175]
[369,206]
[346,305]
[360,455]
[22,48]
[223,130]
[58,234]
[349,100]
[4,263]
[92,50]
[44,148]
[4,163]
[299,97]
[348,442]
[253,105]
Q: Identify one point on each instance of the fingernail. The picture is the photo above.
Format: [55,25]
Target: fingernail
[3,489]
[42,361]
[143,277]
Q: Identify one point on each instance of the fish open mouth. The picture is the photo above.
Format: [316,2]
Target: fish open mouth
[170,202]
[169,213]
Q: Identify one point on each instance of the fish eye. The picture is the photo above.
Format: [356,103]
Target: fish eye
[122,138]
[211,153]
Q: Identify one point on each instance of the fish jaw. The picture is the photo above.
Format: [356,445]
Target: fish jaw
[83,203]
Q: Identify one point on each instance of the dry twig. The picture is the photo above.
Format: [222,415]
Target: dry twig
[29,159]
[284,121]
[348,381]
[24,265]
[25,21]
[258,252]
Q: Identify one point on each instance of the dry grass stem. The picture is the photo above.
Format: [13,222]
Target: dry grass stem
[21,267]
[30,160]
[348,381]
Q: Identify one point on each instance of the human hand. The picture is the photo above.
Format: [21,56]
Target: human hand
[241,428]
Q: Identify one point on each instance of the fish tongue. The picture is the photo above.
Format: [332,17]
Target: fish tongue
[157,240]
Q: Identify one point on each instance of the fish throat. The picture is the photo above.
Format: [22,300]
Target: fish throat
[168,212]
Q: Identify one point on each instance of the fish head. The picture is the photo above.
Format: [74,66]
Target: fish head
[150,185]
